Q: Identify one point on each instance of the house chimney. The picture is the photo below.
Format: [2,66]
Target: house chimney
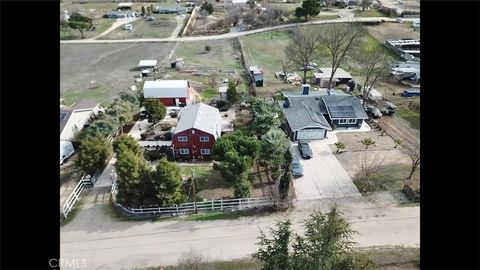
[305,89]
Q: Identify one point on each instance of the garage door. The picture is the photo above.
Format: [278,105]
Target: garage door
[311,134]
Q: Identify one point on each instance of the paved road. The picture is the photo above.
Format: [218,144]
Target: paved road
[107,243]
[229,35]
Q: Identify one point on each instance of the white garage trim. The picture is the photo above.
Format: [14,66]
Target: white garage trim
[310,134]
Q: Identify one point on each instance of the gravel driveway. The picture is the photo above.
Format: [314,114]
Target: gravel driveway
[324,177]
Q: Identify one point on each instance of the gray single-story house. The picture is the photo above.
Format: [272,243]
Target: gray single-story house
[322,76]
[119,14]
[311,115]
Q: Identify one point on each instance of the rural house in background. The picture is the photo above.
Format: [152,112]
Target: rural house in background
[170,92]
[322,76]
[199,127]
[311,115]
[73,118]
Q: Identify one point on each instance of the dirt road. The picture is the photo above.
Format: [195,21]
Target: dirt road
[398,128]
[108,243]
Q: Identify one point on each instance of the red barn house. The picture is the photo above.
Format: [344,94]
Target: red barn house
[170,92]
[198,129]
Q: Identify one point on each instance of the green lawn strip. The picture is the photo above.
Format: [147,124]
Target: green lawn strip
[409,204]
[368,13]
[384,256]
[99,94]
[215,215]
[411,116]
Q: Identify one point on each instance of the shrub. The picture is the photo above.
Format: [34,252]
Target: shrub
[153,155]
[207,48]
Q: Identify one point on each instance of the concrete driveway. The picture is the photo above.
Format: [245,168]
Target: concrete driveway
[324,177]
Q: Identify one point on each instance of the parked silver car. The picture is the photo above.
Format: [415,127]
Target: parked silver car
[373,111]
[297,167]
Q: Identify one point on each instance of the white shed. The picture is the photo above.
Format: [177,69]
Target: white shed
[147,63]
[375,95]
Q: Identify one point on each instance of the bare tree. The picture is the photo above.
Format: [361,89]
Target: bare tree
[286,64]
[302,48]
[365,4]
[233,16]
[194,260]
[374,67]
[212,79]
[338,38]
[369,168]
[413,152]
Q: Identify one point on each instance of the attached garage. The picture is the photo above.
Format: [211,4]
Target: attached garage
[310,134]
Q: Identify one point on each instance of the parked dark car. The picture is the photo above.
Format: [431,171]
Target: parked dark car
[373,111]
[143,115]
[297,168]
[305,150]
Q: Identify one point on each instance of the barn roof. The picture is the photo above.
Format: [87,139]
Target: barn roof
[202,117]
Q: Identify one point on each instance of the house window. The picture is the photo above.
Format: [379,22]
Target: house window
[205,151]
[184,151]
[182,138]
[204,139]
[342,121]
[352,121]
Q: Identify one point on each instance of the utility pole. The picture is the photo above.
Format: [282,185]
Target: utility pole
[194,191]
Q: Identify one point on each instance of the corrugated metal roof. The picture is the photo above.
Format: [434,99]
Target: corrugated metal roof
[147,63]
[165,89]
[344,107]
[326,72]
[202,117]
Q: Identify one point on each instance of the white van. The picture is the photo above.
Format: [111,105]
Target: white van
[128,26]
[66,150]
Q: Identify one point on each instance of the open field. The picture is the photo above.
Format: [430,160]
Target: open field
[161,27]
[256,45]
[386,31]
[221,55]
[101,71]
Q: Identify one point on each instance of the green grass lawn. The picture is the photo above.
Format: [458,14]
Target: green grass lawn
[209,93]
[101,25]
[390,178]
[99,94]
[368,13]
[411,116]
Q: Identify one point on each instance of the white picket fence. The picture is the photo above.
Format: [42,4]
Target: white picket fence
[85,182]
[188,208]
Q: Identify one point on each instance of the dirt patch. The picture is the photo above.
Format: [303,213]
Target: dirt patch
[386,31]
[106,66]
[396,165]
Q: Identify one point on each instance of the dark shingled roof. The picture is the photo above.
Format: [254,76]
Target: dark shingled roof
[344,107]
[306,112]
